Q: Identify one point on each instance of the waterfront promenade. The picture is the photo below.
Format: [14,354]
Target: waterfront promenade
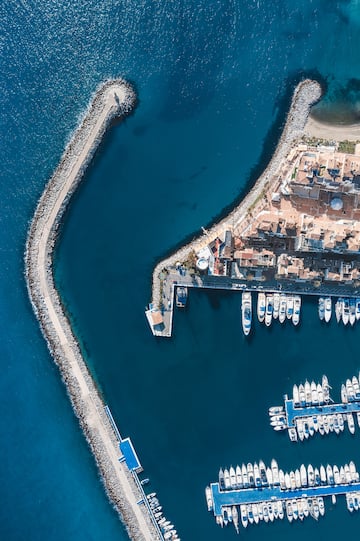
[113,98]
[305,95]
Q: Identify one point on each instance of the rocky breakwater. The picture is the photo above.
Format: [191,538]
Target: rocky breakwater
[306,94]
[113,98]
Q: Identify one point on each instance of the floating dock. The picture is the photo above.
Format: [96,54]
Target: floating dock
[310,410]
[259,493]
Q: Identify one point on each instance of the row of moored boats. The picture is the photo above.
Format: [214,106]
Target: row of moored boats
[347,310]
[257,476]
[270,306]
[308,395]
[167,529]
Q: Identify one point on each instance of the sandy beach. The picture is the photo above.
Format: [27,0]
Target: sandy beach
[331,132]
[114,98]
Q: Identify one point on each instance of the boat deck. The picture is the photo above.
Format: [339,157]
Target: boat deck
[263,494]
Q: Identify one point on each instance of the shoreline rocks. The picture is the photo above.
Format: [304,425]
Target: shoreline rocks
[113,98]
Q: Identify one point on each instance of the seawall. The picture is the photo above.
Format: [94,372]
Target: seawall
[113,98]
[305,95]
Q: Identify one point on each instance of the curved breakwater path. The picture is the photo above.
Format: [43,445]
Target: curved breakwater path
[113,98]
[305,95]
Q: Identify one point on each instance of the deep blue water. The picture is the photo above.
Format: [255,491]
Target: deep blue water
[213,80]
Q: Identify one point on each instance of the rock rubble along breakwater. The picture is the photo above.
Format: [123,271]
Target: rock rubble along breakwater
[113,98]
[306,94]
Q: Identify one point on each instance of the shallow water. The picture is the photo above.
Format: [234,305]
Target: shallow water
[211,78]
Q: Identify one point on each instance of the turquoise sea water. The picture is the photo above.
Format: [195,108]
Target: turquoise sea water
[213,80]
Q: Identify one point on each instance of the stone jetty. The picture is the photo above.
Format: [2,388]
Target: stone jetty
[305,95]
[114,98]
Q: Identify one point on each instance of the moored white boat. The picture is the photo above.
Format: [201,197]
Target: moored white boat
[269,309]
[209,499]
[352,311]
[345,312]
[276,305]
[297,308]
[339,309]
[321,308]
[296,397]
[246,312]
[261,307]
[357,309]
[328,309]
[282,308]
[289,306]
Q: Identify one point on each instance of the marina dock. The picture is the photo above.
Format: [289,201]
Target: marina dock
[312,410]
[252,493]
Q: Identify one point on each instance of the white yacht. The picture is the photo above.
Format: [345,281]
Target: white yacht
[235,517]
[307,393]
[344,396]
[255,513]
[246,312]
[351,424]
[239,482]
[314,394]
[275,472]
[328,309]
[227,479]
[289,511]
[326,389]
[282,308]
[289,307]
[321,506]
[296,397]
[261,306]
[302,396]
[322,475]
[352,311]
[345,312]
[339,309]
[296,312]
[276,305]
[232,477]
[303,475]
[209,499]
[243,515]
[336,475]
[269,309]
[320,393]
[311,475]
[321,308]
[329,475]
[357,309]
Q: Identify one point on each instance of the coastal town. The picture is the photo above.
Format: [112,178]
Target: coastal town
[299,233]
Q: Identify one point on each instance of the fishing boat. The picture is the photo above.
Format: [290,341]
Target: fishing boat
[289,306]
[328,309]
[297,308]
[246,312]
[269,310]
[261,307]
[276,305]
[181,296]
[282,308]
[321,308]
[339,309]
[345,312]
[352,311]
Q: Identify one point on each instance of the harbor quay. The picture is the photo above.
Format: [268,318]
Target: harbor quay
[114,98]
[293,413]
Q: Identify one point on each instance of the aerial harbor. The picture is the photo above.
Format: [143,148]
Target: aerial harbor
[180,278]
